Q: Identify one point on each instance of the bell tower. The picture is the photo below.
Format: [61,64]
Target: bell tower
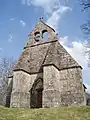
[37,35]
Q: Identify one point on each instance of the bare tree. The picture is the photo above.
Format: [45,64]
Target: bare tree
[5,70]
[86,4]
[86,26]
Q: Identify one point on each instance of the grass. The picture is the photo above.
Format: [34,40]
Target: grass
[64,113]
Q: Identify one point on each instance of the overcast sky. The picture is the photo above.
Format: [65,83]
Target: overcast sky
[18,18]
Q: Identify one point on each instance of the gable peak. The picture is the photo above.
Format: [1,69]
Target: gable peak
[41,33]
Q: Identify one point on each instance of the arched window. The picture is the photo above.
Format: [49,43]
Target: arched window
[45,34]
[37,36]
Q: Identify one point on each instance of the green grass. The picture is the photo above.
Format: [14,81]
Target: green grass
[64,113]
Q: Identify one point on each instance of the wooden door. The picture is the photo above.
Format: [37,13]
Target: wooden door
[39,98]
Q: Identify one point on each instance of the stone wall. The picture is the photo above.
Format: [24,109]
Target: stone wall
[9,91]
[51,95]
[61,88]
[71,87]
[22,84]
[41,28]
[20,93]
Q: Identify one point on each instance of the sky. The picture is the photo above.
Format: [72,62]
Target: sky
[18,18]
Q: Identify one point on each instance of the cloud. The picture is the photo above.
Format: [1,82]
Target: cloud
[77,50]
[12,19]
[53,9]
[88,88]
[54,19]
[87,51]
[10,38]
[48,5]
[22,23]
[23,1]
[1,49]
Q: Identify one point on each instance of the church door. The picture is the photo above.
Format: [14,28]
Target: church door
[39,98]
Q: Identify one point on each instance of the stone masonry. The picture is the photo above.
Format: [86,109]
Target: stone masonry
[45,75]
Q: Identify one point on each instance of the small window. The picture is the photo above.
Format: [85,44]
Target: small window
[37,36]
[45,35]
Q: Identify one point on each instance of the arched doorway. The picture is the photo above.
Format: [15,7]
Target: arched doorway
[36,94]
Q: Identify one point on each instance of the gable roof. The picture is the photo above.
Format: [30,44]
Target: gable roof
[35,54]
[58,56]
[34,58]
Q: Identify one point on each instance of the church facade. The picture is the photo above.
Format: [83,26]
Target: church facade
[45,74]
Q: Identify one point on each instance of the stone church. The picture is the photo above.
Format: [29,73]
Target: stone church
[45,74]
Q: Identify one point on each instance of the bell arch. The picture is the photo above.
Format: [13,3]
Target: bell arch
[37,36]
[45,35]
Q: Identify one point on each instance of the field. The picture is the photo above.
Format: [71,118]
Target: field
[64,113]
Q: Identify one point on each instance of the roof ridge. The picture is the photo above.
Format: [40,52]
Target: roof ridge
[46,54]
[51,55]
